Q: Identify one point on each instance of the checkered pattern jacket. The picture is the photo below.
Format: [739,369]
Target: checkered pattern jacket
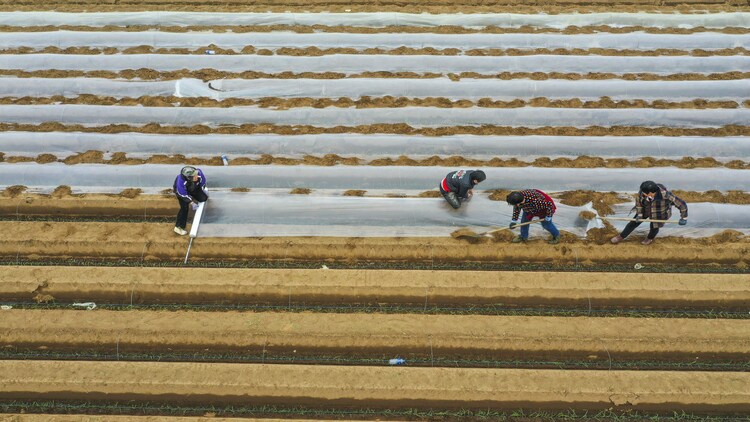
[660,208]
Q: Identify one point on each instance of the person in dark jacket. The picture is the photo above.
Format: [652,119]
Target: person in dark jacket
[654,202]
[190,189]
[458,186]
[533,203]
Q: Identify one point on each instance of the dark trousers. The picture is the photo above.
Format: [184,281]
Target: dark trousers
[633,224]
[182,215]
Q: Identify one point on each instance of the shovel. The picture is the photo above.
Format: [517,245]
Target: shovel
[642,221]
[467,234]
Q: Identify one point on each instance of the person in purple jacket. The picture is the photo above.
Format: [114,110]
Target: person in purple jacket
[458,186]
[189,188]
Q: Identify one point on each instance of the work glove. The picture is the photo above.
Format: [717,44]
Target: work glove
[513,224]
[194,206]
[548,218]
[682,221]
[637,219]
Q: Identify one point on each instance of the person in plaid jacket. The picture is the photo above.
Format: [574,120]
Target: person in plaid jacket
[533,203]
[654,202]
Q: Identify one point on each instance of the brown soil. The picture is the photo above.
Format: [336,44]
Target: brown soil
[300,191]
[385,335]
[379,334]
[381,387]
[365,102]
[130,193]
[602,201]
[97,157]
[211,74]
[152,241]
[729,130]
[231,286]
[431,6]
[355,192]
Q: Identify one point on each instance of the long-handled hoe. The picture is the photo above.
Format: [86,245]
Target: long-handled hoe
[635,219]
[470,235]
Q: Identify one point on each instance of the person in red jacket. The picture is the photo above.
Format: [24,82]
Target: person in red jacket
[458,186]
[533,203]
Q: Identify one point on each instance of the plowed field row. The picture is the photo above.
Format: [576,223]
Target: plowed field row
[428,289]
[342,386]
[332,159]
[155,242]
[237,332]
[422,337]
[432,6]
[370,102]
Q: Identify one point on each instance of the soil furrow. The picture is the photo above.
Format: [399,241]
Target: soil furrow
[344,386]
[371,287]
[447,6]
[370,102]
[402,129]
[157,242]
[121,158]
[213,74]
[407,335]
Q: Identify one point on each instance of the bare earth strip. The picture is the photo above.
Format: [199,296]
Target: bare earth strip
[121,158]
[392,387]
[431,6]
[438,336]
[151,241]
[148,285]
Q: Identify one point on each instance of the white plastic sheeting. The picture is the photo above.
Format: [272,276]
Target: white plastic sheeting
[358,63]
[507,90]
[93,115]
[704,219]
[475,20]
[474,89]
[253,214]
[372,146]
[150,177]
[275,40]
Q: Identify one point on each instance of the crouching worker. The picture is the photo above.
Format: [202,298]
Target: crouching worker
[458,186]
[533,203]
[654,202]
[190,189]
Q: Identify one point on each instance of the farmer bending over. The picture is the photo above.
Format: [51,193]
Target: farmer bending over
[458,186]
[655,202]
[190,189]
[533,202]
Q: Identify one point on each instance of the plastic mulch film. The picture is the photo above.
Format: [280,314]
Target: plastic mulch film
[507,90]
[359,63]
[95,115]
[704,219]
[373,146]
[473,89]
[388,179]
[475,20]
[253,214]
[275,40]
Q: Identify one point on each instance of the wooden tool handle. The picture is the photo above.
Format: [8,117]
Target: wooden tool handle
[642,221]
